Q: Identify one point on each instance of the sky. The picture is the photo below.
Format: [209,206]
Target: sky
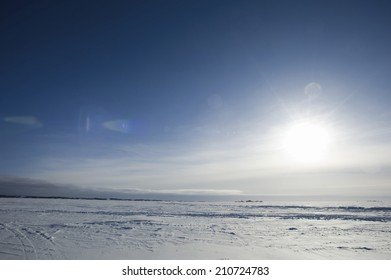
[197,98]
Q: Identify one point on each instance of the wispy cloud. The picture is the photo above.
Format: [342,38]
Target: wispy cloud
[24,120]
[246,162]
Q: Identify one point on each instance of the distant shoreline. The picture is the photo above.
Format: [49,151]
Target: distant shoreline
[79,198]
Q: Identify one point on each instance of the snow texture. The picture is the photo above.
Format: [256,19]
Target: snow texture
[90,229]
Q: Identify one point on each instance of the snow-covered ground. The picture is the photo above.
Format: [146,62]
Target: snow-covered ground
[92,229]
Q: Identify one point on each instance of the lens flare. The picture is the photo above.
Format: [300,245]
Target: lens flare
[122,126]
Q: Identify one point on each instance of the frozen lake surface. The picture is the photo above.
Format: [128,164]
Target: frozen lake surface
[94,229]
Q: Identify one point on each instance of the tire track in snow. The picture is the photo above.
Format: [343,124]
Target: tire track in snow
[34,244]
[31,252]
[43,242]
[13,249]
[26,248]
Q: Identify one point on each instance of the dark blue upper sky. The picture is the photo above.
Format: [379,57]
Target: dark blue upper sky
[192,95]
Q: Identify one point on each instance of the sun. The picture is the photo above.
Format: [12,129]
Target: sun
[306,142]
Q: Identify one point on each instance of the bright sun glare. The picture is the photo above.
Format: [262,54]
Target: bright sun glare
[306,142]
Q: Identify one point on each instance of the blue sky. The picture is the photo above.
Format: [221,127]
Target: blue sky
[194,97]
